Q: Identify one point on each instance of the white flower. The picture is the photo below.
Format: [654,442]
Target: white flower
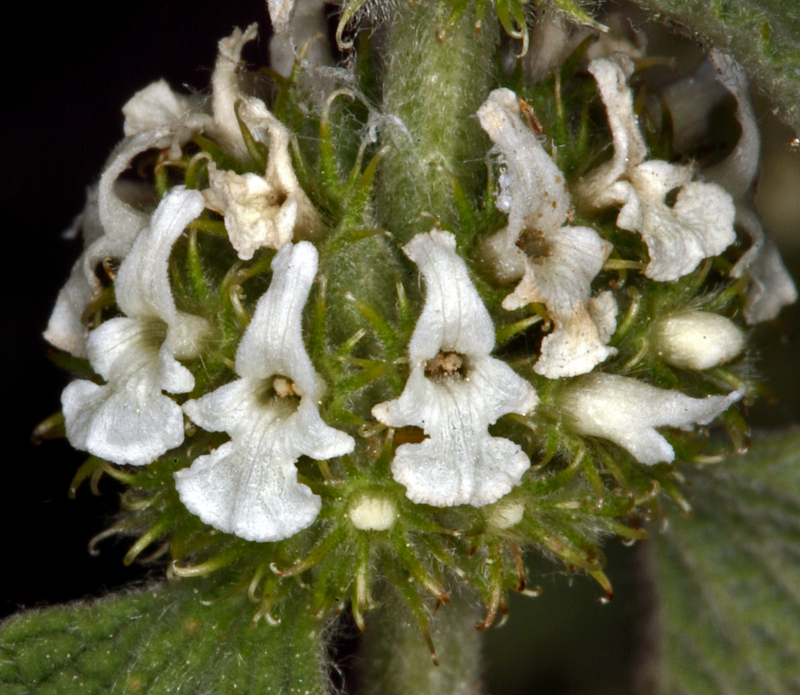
[558,263]
[771,287]
[697,339]
[455,391]
[129,419]
[626,412]
[678,237]
[115,213]
[263,211]
[249,485]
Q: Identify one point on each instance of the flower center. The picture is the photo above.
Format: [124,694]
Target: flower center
[534,244]
[280,392]
[446,365]
[286,388]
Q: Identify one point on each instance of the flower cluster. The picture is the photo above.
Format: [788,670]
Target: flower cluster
[286,388]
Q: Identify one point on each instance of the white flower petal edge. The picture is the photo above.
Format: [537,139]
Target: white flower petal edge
[560,262]
[626,412]
[772,287]
[249,486]
[678,238]
[129,419]
[460,462]
[157,106]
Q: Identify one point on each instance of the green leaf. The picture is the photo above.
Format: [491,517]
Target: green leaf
[174,638]
[729,578]
[763,35]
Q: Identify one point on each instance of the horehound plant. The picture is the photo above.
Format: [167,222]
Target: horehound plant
[361,336]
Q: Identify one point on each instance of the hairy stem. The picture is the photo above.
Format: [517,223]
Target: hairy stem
[436,77]
[395,660]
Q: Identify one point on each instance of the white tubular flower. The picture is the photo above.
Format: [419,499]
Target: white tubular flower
[697,339]
[266,211]
[558,263]
[225,90]
[129,419]
[249,486]
[678,237]
[626,412]
[455,391]
[772,287]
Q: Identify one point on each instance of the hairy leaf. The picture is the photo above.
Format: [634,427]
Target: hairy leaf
[168,639]
[729,579]
[763,35]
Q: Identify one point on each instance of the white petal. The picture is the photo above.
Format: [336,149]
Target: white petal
[273,342]
[460,462]
[699,225]
[142,284]
[626,412]
[256,499]
[576,346]
[65,329]
[122,221]
[737,172]
[153,107]
[255,212]
[561,280]
[280,12]
[772,287]
[603,309]
[225,87]
[697,339]
[536,189]
[128,420]
[453,318]
[629,148]
[249,486]
[307,28]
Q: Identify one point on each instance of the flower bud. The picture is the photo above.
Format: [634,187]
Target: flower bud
[697,340]
[371,513]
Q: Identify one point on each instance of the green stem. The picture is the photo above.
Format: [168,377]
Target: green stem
[436,78]
[395,659]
